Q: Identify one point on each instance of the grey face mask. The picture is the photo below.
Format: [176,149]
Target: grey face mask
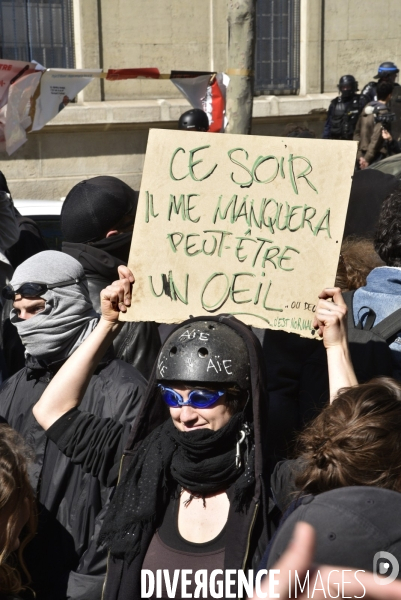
[68,317]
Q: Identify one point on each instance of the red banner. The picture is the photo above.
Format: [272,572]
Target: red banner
[117,74]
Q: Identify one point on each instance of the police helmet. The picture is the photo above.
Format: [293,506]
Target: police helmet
[205,352]
[194,119]
[387,68]
[347,85]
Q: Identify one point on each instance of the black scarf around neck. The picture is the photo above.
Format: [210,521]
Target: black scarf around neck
[203,462]
[116,245]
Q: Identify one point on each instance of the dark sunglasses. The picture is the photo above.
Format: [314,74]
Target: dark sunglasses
[196,398]
[32,289]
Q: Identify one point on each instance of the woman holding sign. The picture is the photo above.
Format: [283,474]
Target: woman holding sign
[191,503]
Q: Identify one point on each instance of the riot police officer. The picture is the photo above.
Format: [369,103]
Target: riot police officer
[343,111]
[387,71]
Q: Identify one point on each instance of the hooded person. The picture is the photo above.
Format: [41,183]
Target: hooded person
[53,314]
[196,455]
[97,220]
[9,232]
[25,240]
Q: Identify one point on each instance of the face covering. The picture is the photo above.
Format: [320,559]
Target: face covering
[68,318]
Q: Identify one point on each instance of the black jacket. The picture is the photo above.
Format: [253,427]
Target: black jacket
[137,343]
[297,384]
[71,502]
[97,444]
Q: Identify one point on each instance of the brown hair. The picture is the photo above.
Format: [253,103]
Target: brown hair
[14,489]
[357,259]
[355,441]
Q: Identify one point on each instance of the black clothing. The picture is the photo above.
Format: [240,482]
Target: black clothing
[71,502]
[13,350]
[95,206]
[137,343]
[297,384]
[30,241]
[282,482]
[247,531]
[369,92]
[342,118]
[202,462]
[368,190]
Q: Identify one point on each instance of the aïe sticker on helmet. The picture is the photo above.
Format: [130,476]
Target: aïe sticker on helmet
[207,352]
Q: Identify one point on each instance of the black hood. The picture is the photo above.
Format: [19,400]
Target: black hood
[154,411]
[369,188]
[103,257]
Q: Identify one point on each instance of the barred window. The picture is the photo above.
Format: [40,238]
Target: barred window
[277,46]
[37,30]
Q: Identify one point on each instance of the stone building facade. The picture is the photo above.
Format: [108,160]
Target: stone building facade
[105,130]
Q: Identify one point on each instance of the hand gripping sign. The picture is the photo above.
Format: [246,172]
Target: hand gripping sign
[238,224]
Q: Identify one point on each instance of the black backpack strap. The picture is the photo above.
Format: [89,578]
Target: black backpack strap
[389,326]
[349,299]
[371,317]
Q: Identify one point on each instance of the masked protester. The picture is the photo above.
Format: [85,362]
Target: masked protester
[53,314]
[192,486]
[192,490]
[97,220]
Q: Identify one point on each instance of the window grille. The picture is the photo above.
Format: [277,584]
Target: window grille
[37,30]
[277,46]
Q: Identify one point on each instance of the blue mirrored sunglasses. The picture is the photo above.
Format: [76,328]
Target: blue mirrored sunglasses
[196,398]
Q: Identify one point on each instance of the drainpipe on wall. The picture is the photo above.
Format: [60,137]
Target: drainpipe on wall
[303,48]
[100,29]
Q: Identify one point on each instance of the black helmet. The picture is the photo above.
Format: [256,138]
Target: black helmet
[387,68]
[195,119]
[205,352]
[347,86]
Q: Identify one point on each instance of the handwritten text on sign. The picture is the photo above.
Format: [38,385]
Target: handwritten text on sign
[238,224]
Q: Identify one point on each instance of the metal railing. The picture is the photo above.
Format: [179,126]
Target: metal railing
[41,31]
[277,46]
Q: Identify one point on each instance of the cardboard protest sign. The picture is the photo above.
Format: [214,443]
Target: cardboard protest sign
[238,224]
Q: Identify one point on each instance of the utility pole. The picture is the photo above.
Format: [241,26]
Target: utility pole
[241,43]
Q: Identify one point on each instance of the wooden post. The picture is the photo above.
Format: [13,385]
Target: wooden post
[241,42]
